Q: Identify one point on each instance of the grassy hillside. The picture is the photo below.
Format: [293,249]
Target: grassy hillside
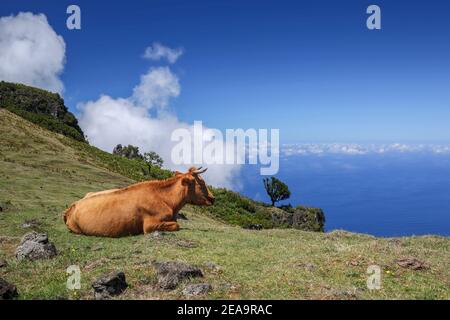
[42,172]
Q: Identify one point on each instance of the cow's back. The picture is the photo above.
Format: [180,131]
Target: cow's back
[112,214]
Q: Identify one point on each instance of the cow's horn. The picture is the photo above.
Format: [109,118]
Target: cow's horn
[198,171]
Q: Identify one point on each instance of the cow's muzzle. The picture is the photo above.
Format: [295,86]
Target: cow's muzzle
[211,200]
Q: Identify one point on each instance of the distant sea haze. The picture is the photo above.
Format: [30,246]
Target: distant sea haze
[380,189]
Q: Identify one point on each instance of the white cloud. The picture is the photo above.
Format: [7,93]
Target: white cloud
[108,121]
[361,149]
[157,52]
[156,88]
[31,52]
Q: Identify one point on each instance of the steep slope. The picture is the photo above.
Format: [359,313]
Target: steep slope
[42,172]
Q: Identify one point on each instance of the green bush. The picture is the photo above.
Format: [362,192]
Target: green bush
[233,208]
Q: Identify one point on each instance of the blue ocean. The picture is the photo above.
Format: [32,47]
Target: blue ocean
[392,194]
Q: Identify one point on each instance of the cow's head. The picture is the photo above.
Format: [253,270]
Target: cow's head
[198,192]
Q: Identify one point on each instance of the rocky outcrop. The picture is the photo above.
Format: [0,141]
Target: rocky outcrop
[40,107]
[236,209]
[303,218]
[35,246]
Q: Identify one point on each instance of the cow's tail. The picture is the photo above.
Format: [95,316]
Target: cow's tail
[67,212]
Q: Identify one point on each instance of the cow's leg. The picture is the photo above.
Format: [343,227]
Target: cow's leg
[169,226]
[150,226]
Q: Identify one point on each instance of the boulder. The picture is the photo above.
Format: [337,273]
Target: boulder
[196,289]
[8,291]
[109,284]
[35,246]
[170,273]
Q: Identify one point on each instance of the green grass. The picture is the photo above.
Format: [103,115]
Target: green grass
[42,172]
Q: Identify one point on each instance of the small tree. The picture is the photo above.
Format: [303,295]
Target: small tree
[276,190]
[118,150]
[153,159]
[130,152]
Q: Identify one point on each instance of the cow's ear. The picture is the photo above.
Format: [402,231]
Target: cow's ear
[188,180]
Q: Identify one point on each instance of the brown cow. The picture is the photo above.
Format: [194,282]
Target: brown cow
[140,208]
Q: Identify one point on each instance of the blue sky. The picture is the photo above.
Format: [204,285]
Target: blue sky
[310,68]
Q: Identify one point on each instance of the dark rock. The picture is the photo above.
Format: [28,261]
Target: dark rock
[3,263]
[196,289]
[170,273]
[411,263]
[109,284]
[8,291]
[35,246]
[254,226]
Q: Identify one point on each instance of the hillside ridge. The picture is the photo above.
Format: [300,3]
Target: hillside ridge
[42,172]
